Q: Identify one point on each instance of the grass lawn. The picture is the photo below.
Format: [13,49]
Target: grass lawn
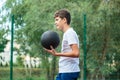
[21,74]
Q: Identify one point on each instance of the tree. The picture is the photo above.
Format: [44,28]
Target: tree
[3,40]
[32,18]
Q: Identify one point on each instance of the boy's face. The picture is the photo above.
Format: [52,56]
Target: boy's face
[59,23]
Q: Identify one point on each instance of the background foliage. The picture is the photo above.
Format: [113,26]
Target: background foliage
[32,18]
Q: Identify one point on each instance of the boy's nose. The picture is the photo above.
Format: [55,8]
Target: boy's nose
[55,23]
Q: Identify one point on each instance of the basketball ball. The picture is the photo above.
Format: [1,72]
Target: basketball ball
[50,38]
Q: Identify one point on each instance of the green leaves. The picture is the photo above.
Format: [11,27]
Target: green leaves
[3,40]
[3,43]
[32,18]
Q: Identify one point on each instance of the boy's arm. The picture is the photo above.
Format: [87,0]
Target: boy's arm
[74,53]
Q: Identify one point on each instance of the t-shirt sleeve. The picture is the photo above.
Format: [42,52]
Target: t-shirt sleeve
[72,38]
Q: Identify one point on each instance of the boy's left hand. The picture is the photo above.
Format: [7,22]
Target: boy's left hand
[52,51]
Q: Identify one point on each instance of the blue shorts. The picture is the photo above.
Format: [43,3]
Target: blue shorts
[68,76]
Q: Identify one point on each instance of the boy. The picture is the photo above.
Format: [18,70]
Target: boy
[69,55]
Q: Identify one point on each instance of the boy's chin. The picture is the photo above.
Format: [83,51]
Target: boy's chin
[58,28]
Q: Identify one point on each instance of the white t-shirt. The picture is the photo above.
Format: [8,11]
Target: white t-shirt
[69,64]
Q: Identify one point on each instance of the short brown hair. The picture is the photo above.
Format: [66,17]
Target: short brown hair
[63,14]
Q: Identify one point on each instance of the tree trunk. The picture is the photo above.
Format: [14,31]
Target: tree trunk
[53,68]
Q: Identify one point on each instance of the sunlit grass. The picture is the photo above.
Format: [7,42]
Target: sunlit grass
[21,74]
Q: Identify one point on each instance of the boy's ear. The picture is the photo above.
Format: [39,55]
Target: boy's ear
[65,20]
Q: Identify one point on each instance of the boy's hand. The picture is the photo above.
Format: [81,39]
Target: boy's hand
[52,51]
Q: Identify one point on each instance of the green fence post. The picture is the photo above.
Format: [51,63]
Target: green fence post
[11,55]
[84,43]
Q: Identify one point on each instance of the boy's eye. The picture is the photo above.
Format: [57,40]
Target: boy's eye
[56,19]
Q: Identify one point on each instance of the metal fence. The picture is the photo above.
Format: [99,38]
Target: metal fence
[101,53]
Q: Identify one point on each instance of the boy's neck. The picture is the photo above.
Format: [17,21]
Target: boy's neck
[66,27]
